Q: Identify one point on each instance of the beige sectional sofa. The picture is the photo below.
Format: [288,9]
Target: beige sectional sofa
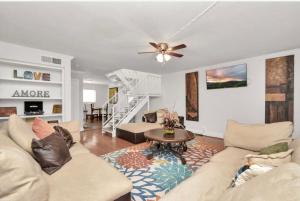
[85,178]
[212,181]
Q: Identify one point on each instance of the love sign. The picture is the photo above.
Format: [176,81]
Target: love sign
[29,75]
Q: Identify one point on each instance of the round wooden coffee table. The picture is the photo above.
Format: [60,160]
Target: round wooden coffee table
[175,143]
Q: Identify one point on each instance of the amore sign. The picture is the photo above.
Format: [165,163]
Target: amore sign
[31,93]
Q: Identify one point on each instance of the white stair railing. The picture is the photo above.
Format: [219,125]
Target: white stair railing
[114,109]
[107,106]
[140,101]
[135,88]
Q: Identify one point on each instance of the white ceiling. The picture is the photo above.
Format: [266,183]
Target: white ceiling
[104,36]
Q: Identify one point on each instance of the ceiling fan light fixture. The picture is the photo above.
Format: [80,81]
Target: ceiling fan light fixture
[164,51]
[160,58]
[167,57]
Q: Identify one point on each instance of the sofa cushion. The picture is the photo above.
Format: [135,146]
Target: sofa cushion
[296,153]
[257,136]
[4,128]
[20,176]
[281,183]
[272,159]
[232,155]
[89,178]
[150,117]
[20,132]
[139,127]
[210,180]
[78,148]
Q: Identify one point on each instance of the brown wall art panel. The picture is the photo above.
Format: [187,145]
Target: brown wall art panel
[191,100]
[279,102]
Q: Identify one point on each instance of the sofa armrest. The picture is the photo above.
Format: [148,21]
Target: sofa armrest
[296,153]
[73,127]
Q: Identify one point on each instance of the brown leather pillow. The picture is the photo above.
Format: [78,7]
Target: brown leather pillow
[51,152]
[66,135]
[151,117]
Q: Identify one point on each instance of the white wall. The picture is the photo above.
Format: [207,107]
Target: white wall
[155,104]
[21,53]
[101,93]
[77,103]
[245,104]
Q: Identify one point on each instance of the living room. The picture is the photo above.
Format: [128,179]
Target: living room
[101,101]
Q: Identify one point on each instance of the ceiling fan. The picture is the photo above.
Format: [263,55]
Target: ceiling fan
[165,51]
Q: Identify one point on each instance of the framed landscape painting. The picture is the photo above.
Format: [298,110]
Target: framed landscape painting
[191,97]
[228,77]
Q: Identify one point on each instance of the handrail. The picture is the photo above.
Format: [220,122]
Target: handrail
[138,85]
[109,100]
[139,101]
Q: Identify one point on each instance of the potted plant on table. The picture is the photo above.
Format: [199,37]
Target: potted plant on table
[169,124]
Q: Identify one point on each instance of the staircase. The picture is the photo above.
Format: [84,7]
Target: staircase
[135,90]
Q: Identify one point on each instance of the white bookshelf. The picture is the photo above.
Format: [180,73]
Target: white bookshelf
[29,64]
[29,81]
[9,84]
[33,116]
[28,98]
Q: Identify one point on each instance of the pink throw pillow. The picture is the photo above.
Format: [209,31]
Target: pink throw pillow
[41,128]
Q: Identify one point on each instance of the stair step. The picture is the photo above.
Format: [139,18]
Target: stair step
[107,126]
[108,130]
[111,123]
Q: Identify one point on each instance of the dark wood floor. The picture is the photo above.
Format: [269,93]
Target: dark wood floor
[92,125]
[99,144]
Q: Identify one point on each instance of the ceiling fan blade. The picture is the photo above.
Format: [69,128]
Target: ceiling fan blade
[145,52]
[154,45]
[177,47]
[174,54]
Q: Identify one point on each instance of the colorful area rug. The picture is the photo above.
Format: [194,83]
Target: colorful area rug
[153,178]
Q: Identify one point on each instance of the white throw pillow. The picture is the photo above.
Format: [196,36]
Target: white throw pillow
[280,184]
[252,171]
[271,159]
[161,115]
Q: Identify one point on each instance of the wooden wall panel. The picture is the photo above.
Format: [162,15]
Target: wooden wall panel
[192,102]
[279,104]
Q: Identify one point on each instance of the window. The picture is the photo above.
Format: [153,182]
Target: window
[89,96]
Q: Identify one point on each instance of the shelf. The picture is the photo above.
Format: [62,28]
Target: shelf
[30,81]
[28,64]
[28,98]
[33,116]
